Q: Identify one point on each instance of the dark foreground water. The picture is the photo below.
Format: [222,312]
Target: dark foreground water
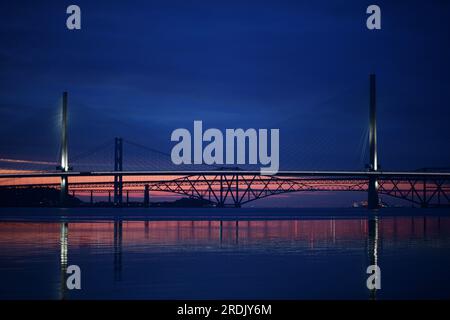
[220,254]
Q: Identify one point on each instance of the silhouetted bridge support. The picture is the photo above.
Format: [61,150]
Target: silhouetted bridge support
[146,196]
[118,166]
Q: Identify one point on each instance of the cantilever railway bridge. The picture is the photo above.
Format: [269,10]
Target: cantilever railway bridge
[238,187]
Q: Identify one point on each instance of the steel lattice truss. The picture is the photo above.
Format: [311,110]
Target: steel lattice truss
[425,193]
[238,189]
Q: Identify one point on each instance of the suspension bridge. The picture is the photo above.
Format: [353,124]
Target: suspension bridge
[224,186]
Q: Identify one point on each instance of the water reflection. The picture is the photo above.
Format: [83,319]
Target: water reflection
[64,239]
[146,229]
[117,250]
[271,245]
[237,232]
[373,247]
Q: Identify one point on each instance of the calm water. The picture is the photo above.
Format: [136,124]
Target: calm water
[238,253]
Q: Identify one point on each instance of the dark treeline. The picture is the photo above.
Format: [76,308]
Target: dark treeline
[33,197]
[50,197]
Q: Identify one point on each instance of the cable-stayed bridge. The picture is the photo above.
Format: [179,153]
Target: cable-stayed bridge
[222,186]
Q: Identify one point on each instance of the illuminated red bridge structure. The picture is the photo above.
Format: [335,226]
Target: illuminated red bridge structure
[238,187]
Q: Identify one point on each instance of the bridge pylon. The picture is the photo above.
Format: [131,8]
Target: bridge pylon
[373,200]
[64,153]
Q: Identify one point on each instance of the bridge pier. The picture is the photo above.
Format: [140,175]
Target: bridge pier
[146,196]
[118,166]
[373,201]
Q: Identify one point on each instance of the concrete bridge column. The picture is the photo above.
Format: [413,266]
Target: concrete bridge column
[64,152]
[373,200]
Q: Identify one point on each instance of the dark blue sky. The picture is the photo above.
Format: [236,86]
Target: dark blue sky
[140,69]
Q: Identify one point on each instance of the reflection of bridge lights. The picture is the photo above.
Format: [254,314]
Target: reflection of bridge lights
[375,243]
[64,244]
[63,255]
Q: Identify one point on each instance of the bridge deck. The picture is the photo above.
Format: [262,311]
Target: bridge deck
[358,174]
